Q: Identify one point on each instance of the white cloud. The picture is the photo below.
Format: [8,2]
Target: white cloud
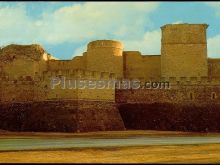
[150,43]
[213,42]
[76,23]
[80,50]
[15,26]
[213,46]
[216,6]
[178,22]
[90,20]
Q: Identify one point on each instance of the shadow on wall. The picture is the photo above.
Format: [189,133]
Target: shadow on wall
[171,117]
[44,116]
[61,116]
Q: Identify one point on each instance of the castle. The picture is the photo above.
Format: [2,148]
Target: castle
[26,72]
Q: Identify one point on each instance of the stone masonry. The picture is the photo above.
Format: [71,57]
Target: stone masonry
[26,72]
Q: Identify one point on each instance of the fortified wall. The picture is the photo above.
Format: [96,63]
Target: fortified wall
[26,73]
[28,69]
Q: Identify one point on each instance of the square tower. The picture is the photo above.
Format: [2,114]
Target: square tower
[184,50]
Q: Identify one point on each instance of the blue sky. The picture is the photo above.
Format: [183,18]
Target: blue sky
[65,28]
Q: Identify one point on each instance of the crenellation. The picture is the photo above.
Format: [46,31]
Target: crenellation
[193,80]
[27,72]
[183,62]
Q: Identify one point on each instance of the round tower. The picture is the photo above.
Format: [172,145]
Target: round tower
[106,56]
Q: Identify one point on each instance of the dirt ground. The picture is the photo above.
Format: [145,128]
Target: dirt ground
[209,153]
[202,153]
[103,134]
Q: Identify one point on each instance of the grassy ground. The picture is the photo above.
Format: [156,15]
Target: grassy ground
[204,153]
[209,153]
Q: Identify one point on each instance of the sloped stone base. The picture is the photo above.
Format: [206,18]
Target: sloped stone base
[99,116]
[171,117]
[60,116]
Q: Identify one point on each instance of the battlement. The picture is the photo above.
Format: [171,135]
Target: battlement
[183,61]
[105,44]
[80,74]
[86,74]
[192,80]
[28,72]
[105,55]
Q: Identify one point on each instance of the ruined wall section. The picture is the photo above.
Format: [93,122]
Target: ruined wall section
[142,67]
[22,60]
[184,50]
[21,66]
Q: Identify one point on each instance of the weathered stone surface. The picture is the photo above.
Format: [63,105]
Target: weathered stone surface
[171,117]
[99,116]
[11,52]
[26,72]
[184,50]
[60,116]
[184,95]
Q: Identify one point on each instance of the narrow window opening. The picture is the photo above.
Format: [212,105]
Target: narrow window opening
[214,96]
[191,96]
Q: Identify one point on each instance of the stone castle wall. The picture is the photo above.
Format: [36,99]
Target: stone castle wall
[184,50]
[28,102]
[105,55]
[214,68]
[28,88]
[60,116]
[183,95]
[137,66]
[183,59]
